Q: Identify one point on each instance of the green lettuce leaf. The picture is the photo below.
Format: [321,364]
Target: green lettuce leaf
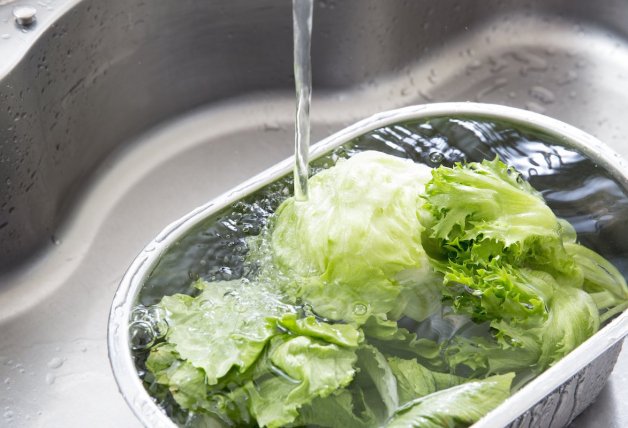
[307,368]
[485,200]
[396,341]
[352,248]
[605,283]
[340,334]
[415,380]
[185,382]
[376,373]
[225,327]
[459,406]
[335,410]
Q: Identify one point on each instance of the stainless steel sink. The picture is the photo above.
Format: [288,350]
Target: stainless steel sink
[118,117]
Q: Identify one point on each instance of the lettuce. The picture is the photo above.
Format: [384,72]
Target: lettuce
[226,353]
[355,245]
[394,296]
[310,368]
[415,381]
[458,406]
[506,259]
[226,327]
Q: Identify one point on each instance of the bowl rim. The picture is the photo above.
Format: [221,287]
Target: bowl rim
[120,358]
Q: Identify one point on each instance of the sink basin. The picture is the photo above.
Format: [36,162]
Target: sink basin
[118,117]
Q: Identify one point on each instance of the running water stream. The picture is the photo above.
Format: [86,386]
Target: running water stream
[302,21]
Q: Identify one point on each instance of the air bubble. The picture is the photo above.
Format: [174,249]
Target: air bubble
[360,309]
[141,335]
[207,304]
[139,313]
[157,317]
[436,157]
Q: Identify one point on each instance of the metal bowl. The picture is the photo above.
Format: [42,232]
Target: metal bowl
[553,399]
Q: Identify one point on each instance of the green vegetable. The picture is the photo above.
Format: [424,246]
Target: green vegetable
[390,298]
[335,410]
[225,327]
[355,245]
[507,260]
[377,376]
[458,406]
[309,368]
[340,334]
[415,381]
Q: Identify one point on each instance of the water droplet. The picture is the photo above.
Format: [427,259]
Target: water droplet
[497,64]
[5,36]
[426,96]
[272,126]
[532,106]
[532,62]
[8,414]
[568,77]
[141,335]
[542,94]
[55,363]
[497,84]
[474,65]
[532,172]
[50,378]
[360,309]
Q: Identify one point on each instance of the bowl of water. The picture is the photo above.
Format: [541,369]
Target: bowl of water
[579,178]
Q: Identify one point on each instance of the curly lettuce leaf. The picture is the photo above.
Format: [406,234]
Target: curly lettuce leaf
[308,368]
[507,260]
[486,200]
[339,334]
[532,344]
[225,327]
